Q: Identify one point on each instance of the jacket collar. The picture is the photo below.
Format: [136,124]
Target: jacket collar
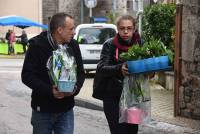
[124,45]
[51,41]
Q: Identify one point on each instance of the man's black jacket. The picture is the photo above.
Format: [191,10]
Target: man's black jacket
[35,75]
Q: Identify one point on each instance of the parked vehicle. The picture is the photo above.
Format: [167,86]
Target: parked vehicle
[91,38]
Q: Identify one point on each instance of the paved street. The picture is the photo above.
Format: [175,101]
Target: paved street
[15,108]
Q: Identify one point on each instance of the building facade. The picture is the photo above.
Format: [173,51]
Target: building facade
[80,12]
[32,11]
[189,97]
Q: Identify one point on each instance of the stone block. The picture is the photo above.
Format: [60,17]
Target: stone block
[198,68]
[186,113]
[198,104]
[196,96]
[187,99]
[190,2]
[182,105]
[190,67]
[190,106]
[181,94]
[196,114]
[169,84]
[188,42]
[188,91]
[195,82]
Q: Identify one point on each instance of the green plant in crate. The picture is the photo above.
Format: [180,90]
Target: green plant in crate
[133,53]
[153,48]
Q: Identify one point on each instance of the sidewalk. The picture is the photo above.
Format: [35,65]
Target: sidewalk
[162,111]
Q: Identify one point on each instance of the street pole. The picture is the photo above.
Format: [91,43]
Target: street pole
[114,8]
[138,7]
[90,15]
[90,4]
[82,11]
[140,12]
[140,24]
[90,12]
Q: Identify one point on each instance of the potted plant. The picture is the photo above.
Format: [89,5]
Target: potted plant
[152,56]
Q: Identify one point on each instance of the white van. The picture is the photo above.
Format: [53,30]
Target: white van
[91,38]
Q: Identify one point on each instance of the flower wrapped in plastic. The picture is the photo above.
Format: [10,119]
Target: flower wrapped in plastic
[62,69]
[135,100]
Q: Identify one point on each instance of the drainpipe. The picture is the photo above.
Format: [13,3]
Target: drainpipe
[82,11]
[178,60]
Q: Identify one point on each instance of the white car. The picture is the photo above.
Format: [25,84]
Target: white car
[91,38]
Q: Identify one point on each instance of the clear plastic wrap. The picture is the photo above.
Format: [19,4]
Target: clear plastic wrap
[135,101]
[62,69]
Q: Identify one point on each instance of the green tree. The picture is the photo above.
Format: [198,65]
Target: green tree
[112,17]
[159,23]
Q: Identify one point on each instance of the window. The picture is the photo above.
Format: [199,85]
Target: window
[129,4]
[95,35]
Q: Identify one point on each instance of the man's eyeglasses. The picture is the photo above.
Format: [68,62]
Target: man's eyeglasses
[124,29]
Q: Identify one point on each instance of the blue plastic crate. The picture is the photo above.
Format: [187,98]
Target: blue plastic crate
[148,65]
[66,86]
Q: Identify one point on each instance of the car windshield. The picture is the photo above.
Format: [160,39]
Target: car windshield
[95,35]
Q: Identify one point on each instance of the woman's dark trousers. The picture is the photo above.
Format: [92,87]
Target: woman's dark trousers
[111,110]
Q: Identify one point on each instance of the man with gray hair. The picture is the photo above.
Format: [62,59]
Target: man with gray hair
[52,110]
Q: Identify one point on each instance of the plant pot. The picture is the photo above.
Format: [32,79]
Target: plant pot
[149,65]
[66,86]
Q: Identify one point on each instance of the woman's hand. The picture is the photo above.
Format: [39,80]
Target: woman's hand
[151,75]
[124,69]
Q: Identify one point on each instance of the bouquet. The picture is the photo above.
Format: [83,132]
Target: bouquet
[62,69]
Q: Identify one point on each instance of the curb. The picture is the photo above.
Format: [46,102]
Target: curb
[87,104]
[12,56]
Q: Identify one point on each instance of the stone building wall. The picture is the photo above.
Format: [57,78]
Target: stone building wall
[121,6]
[190,87]
[73,7]
[49,7]
[102,9]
